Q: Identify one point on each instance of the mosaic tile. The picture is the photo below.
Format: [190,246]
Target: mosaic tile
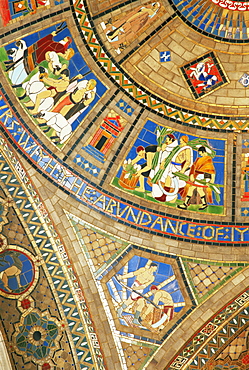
[117,271]
[63,335]
[52,81]
[140,94]
[244,178]
[100,247]
[165,56]
[148,220]
[204,75]
[86,165]
[225,347]
[159,154]
[218,19]
[244,211]
[244,80]
[125,107]
[14,10]
[40,247]
[123,30]
[134,306]
[135,355]
[207,276]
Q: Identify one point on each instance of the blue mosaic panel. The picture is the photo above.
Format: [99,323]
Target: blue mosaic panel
[149,138]
[86,165]
[125,107]
[151,288]
[48,58]
[16,271]
[165,56]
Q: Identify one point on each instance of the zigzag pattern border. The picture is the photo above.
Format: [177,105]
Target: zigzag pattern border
[142,97]
[57,261]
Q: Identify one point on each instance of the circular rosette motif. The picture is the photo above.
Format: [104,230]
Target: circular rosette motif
[37,336]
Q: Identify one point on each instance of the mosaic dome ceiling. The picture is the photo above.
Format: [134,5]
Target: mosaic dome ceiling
[124,186]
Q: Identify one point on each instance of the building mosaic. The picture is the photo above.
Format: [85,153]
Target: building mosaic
[14,10]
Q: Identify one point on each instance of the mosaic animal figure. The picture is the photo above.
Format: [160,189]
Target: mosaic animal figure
[35,86]
[13,270]
[17,72]
[59,123]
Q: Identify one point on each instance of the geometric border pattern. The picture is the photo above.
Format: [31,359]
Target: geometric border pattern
[47,242]
[158,223]
[240,266]
[142,97]
[195,351]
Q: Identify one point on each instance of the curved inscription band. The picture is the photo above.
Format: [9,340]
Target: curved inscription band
[156,223]
[114,207]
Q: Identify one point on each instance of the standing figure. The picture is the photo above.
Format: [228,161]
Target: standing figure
[125,30]
[147,154]
[169,185]
[157,174]
[144,277]
[202,170]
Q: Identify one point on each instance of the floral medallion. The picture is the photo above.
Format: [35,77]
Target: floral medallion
[37,336]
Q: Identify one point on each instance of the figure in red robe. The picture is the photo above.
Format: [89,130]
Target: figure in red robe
[201,173]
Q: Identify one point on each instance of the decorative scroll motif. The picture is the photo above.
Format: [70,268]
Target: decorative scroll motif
[224,327]
[232,5]
[223,18]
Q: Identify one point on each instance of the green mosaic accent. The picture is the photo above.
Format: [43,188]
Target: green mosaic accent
[123,245]
[222,328]
[46,242]
[237,267]
[142,97]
